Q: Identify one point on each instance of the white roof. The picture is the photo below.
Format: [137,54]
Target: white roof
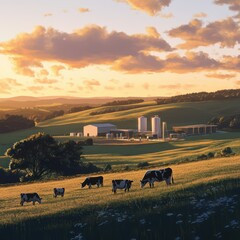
[102,125]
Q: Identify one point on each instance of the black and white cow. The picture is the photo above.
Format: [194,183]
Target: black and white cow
[121,184]
[58,191]
[93,181]
[30,197]
[157,176]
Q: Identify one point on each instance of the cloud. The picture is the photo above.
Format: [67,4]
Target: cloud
[152,32]
[191,62]
[220,75]
[225,32]
[23,65]
[151,7]
[35,89]
[200,15]
[83,10]
[165,15]
[48,15]
[46,81]
[128,85]
[176,86]
[7,85]
[44,72]
[238,83]
[234,5]
[87,46]
[146,85]
[89,84]
[56,69]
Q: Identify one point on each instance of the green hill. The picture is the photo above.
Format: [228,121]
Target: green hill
[173,114]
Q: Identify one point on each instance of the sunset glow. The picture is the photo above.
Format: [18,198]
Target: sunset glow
[118,47]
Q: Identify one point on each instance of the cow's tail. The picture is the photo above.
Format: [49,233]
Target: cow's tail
[172,180]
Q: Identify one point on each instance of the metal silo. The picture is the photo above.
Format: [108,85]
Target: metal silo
[156,126]
[142,124]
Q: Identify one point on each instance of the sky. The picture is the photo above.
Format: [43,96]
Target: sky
[118,48]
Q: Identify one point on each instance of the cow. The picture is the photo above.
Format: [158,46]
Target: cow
[121,184]
[58,191]
[152,176]
[30,197]
[93,181]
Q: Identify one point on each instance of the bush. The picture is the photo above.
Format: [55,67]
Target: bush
[143,164]
[226,151]
[8,176]
[210,155]
[108,167]
[202,157]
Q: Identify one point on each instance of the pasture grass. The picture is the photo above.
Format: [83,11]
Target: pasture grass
[140,213]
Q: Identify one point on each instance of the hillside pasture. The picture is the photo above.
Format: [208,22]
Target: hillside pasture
[173,114]
[72,208]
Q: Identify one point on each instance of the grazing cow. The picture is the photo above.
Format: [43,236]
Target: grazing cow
[58,191]
[121,184]
[93,181]
[30,197]
[157,176]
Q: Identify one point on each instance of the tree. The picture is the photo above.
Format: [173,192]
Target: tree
[40,155]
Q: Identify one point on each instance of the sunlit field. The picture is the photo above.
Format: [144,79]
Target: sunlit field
[186,176]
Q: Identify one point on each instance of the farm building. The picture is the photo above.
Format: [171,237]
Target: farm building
[196,129]
[127,133]
[98,129]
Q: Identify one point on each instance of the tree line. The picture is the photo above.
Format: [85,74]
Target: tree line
[232,122]
[123,102]
[201,96]
[15,122]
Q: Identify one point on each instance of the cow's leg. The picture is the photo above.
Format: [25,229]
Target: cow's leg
[168,181]
[90,185]
[33,202]
[21,203]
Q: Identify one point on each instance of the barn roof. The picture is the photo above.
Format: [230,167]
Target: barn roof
[102,125]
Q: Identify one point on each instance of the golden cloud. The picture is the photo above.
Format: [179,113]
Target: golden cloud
[35,89]
[83,10]
[87,46]
[234,5]
[191,62]
[225,32]
[7,84]
[56,69]
[151,7]
[220,75]
[46,81]
[200,15]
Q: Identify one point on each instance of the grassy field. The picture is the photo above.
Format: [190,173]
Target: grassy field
[189,178]
[205,194]
[173,114]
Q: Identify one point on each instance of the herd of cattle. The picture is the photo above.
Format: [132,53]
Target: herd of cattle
[150,177]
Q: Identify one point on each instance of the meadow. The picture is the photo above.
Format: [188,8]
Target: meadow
[203,203]
[206,180]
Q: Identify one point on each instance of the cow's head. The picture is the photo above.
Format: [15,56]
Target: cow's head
[142,183]
[84,184]
[40,200]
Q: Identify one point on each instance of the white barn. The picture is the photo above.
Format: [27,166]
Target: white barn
[98,129]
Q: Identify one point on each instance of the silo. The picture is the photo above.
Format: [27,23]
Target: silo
[164,130]
[156,126]
[142,124]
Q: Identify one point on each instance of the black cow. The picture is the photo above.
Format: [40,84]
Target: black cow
[58,191]
[93,181]
[30,197]
[157,176]
[121,184]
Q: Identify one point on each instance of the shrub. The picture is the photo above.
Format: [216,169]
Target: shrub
[202,157]
[210,155]
[143,164]
[108,167]
[226,151]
